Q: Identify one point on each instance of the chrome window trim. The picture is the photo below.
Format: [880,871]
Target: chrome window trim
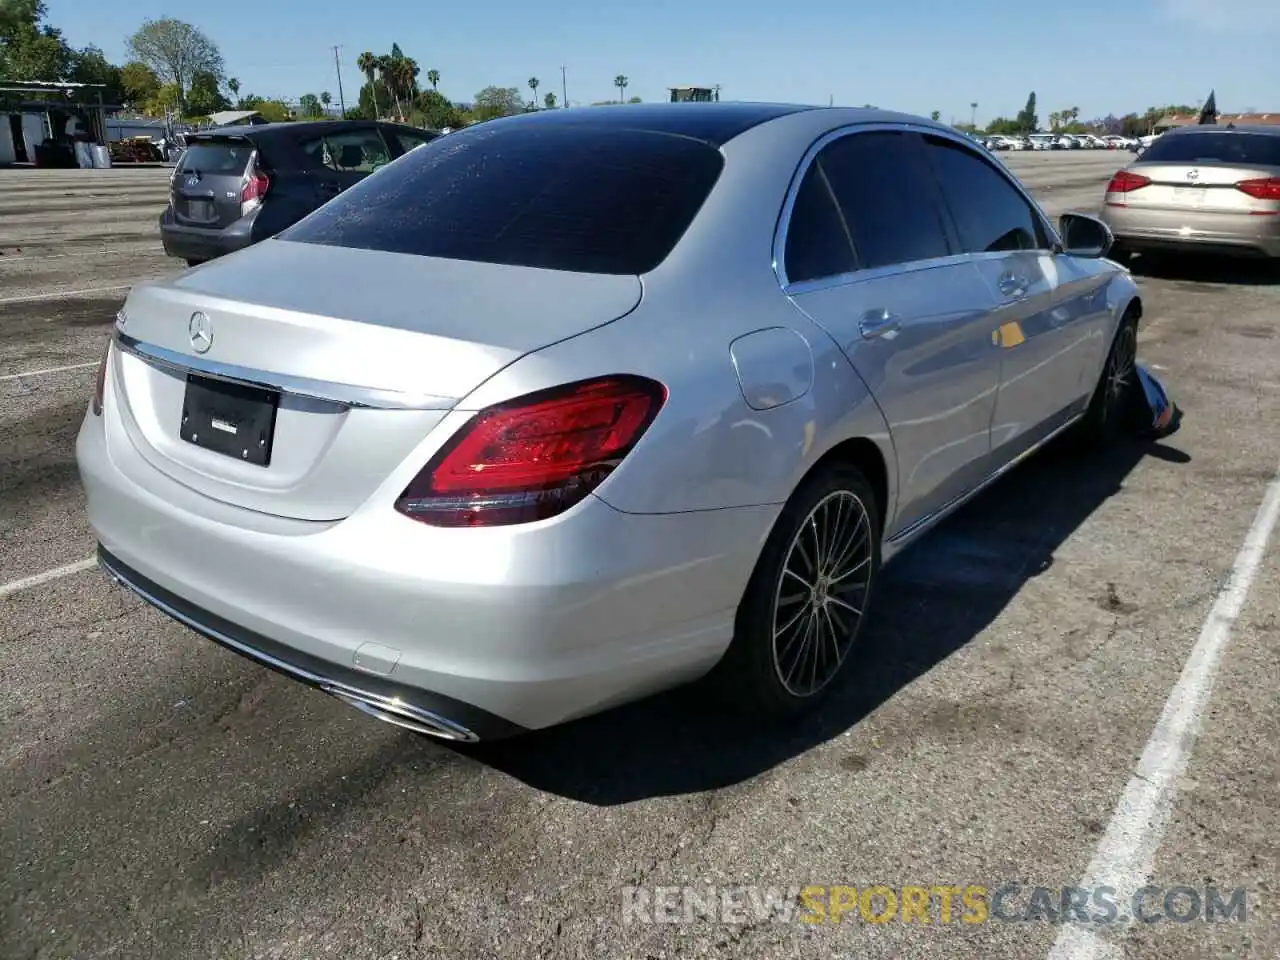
[784,217]
[343,394]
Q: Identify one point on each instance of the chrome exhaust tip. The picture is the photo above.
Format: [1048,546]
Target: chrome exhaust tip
[398,713]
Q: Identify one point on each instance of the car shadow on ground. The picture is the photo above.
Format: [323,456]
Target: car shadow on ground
[934,599]
[1232,271]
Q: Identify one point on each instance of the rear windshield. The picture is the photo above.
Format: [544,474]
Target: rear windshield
[217,156]
[1237,148]
[574,197]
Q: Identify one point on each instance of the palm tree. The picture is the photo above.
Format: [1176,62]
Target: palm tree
[533,85]
[404,78]
[386,72]
[433,78]
[367,64]
[621,81]
[326,98]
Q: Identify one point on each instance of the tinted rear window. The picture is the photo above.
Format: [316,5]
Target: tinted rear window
[218,156]
[578,197]
[1245,148]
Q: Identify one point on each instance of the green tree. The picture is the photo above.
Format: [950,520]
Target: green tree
[634,100]
[1028,122]
[164,99]
[30,50]
[621,81]
[140,83]
[205,96]
[935,115]
[493,102]
[176,51]
[234,86]
[90,66]
[309,105]
[433,78]
[432,110]
[549,100]
[533,86]
[273,111]
[367,64]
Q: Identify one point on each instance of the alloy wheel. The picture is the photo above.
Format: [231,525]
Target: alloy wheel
[1121,372]
[822,593]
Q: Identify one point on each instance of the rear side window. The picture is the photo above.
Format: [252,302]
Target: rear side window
[888,204]
[574,197]
[408,140]
[1238,148]
[223,157]
[348,151]
[818,243]
[990,214]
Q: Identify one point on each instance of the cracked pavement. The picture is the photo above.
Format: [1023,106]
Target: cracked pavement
[161,797]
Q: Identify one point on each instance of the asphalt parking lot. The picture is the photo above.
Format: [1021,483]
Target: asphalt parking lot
[161,797]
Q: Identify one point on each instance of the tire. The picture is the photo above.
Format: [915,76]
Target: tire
[763,672]
[1110,411]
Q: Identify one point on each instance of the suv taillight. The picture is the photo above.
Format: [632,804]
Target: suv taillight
[1124,182]
[533,457]
[255,188]
[100,384]
[1268,188]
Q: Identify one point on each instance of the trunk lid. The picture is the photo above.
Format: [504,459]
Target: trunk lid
[1208,186]
[209,180]
[372,349]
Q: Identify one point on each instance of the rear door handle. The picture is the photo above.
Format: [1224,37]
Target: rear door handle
[878,323]
[1012,285]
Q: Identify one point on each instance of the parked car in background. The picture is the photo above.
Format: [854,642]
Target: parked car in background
[235,186]
[1203,188]
[524,427]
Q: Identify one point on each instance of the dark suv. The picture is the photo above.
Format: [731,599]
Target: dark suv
[235,186]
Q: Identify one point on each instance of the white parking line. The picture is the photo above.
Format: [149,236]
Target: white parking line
[41,373]
[1125,857]
[66,293]
[57,573]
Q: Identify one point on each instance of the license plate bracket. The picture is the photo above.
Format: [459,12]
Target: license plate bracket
[232,419]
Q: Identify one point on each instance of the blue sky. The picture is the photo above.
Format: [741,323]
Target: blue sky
[911,55]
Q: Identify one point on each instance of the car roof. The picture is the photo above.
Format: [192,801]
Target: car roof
[1214,128]
[298,127]
[714,123]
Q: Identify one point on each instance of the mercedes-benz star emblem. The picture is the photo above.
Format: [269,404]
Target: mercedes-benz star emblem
[200,328]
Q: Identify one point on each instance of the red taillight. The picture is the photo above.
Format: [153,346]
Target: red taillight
[1124,182]
[534,457]
[100,384]
[1267,188]
[255,188]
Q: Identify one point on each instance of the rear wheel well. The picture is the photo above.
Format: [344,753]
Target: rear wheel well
[866,456]
[1134,309]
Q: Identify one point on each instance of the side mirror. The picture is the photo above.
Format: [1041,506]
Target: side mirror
[1084,236]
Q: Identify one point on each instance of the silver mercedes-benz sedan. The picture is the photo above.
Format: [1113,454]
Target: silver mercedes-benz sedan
[1206,189]
[568,408]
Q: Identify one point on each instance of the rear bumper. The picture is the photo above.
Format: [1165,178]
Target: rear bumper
[430,712]
[202,243]
[491,631]
[1232,234]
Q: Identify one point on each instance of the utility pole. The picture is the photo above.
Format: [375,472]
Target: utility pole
[973,116]
[337,65]
[564,87]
